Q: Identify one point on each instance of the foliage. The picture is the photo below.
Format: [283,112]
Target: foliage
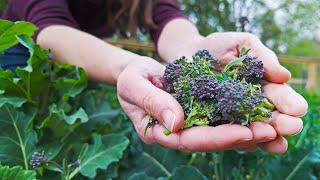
[3,4]
[306,48]
[16,173]
[279,24]
[49,107]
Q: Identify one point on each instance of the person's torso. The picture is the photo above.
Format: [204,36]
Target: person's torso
[91,16]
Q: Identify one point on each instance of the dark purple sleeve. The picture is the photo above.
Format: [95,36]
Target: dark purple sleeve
[163,12]
[42,13]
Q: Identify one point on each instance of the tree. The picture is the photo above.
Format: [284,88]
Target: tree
[279,25]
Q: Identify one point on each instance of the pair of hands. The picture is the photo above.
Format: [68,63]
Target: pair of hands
[140,94]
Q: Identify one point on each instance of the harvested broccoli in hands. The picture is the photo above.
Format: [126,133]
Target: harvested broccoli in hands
[213,98]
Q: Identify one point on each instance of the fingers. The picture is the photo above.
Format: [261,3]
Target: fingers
[286,99]
[262,132]
[135,86]
[249,147]
[278,146]
[204,138]
[274,72]
[286,125]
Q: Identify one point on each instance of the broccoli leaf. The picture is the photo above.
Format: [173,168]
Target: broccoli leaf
[17,144]
[9,31]
[101,154]
[16,173]
[233,63]
[187,173]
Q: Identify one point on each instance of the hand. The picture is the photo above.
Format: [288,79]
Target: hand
[290,105]
[140,95]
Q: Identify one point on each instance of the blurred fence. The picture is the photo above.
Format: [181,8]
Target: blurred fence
[304,70]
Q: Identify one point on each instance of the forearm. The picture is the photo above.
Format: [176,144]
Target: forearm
[175,35]
[103,62]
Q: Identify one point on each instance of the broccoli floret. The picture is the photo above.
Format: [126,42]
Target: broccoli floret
[203,55]
[237,101]
[214,98]
[200,113]
[203,87]
[229,96]
[171,75]
[251,70]
[38,159]
[246,68]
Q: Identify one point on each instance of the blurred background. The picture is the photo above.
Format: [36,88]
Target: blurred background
[291,28]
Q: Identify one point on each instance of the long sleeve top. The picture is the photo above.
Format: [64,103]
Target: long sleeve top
[82,14]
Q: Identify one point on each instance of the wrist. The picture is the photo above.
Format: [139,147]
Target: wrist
[119,65]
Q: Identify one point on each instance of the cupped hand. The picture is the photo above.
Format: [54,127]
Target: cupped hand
[141,96]
[290,105]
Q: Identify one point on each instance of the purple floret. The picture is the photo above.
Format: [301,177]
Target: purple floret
[204,54]
[38,159]
[171,75]
[203,87]
[229,96]
[252,70]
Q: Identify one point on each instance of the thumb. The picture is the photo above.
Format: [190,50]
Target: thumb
[135,86]
[163,107]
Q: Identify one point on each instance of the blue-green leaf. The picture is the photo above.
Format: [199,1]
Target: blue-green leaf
[16,173]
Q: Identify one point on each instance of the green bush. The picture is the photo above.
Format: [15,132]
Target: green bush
[60,125]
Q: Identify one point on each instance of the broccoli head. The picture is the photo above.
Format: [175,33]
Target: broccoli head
[214,98]
[246,68]
[203,87]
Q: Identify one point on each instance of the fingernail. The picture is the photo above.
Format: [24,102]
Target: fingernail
[298,132]
[245,140]
[286,70]
[266,140]
[169,119]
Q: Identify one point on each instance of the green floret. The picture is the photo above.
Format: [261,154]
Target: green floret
[200,113]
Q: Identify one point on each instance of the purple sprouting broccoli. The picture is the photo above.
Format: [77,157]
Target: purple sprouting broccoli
[246,68]
[251,70]
[38,159]
[213,98]
[229,96]
[203,87]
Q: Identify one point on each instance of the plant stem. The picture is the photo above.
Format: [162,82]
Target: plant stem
[22,147]
[193,157]
[296,168]
[216,169]
[221,166]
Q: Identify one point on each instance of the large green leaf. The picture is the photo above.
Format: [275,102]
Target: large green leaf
[79,114]
[16,173]
[98,109]
[30,82]
[157,161]
[101,153]
[71,80]
[297,165]
[187,173]
[140,176]
[9,31]
[4,25]
[16,144]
